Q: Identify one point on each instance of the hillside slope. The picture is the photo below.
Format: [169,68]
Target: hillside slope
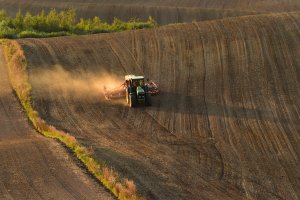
[164,12]
[226,125]
[33,167]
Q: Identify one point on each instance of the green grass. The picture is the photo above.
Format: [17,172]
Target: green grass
[122,188]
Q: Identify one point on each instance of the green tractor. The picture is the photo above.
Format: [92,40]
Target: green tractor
[137,91]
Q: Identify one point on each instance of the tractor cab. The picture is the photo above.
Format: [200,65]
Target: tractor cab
[135,81]
[136,90]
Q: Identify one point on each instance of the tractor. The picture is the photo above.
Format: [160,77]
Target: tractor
[135,90]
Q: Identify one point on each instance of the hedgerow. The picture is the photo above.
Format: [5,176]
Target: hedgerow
[62,23]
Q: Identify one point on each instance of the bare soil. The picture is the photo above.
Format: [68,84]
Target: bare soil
[33,167]
[226,125]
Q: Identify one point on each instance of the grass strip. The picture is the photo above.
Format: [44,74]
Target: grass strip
[122,188]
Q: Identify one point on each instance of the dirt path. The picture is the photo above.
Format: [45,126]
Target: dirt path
[226,125]
[33,167]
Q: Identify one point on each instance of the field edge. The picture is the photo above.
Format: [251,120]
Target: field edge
[120,187]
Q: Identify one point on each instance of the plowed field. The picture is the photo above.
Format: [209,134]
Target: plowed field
[164,12]
[33,167]
[226,125]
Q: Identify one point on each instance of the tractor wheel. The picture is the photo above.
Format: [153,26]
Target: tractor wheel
[132,100]
[127,96]
[148,101]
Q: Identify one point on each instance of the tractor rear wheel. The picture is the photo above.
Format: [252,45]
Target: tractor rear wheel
[132,100]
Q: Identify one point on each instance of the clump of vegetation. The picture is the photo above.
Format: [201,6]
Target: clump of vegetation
[122,188]
[62,23]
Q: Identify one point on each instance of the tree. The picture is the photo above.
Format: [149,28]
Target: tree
[118,25]
[67,19]
[96,22]
[40,21]
[52,21]
[3,15]
[88,25]
[80,25]
[29,21]
[18,21]
[84,25]
[152,22]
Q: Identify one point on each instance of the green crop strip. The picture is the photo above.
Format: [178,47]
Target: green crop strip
[63,23]
[122,188]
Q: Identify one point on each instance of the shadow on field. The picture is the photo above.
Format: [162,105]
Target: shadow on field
[175,103]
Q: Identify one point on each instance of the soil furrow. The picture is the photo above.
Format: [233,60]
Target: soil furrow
[226,124]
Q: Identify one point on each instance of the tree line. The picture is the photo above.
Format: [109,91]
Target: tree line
[54,23]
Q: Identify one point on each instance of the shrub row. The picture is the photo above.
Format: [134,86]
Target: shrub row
[62,23]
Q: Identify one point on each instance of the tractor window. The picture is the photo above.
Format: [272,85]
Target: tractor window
[136,83]
[141,82]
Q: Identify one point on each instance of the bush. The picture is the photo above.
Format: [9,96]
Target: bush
[6,32]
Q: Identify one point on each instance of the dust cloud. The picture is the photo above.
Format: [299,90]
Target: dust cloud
[73,84]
